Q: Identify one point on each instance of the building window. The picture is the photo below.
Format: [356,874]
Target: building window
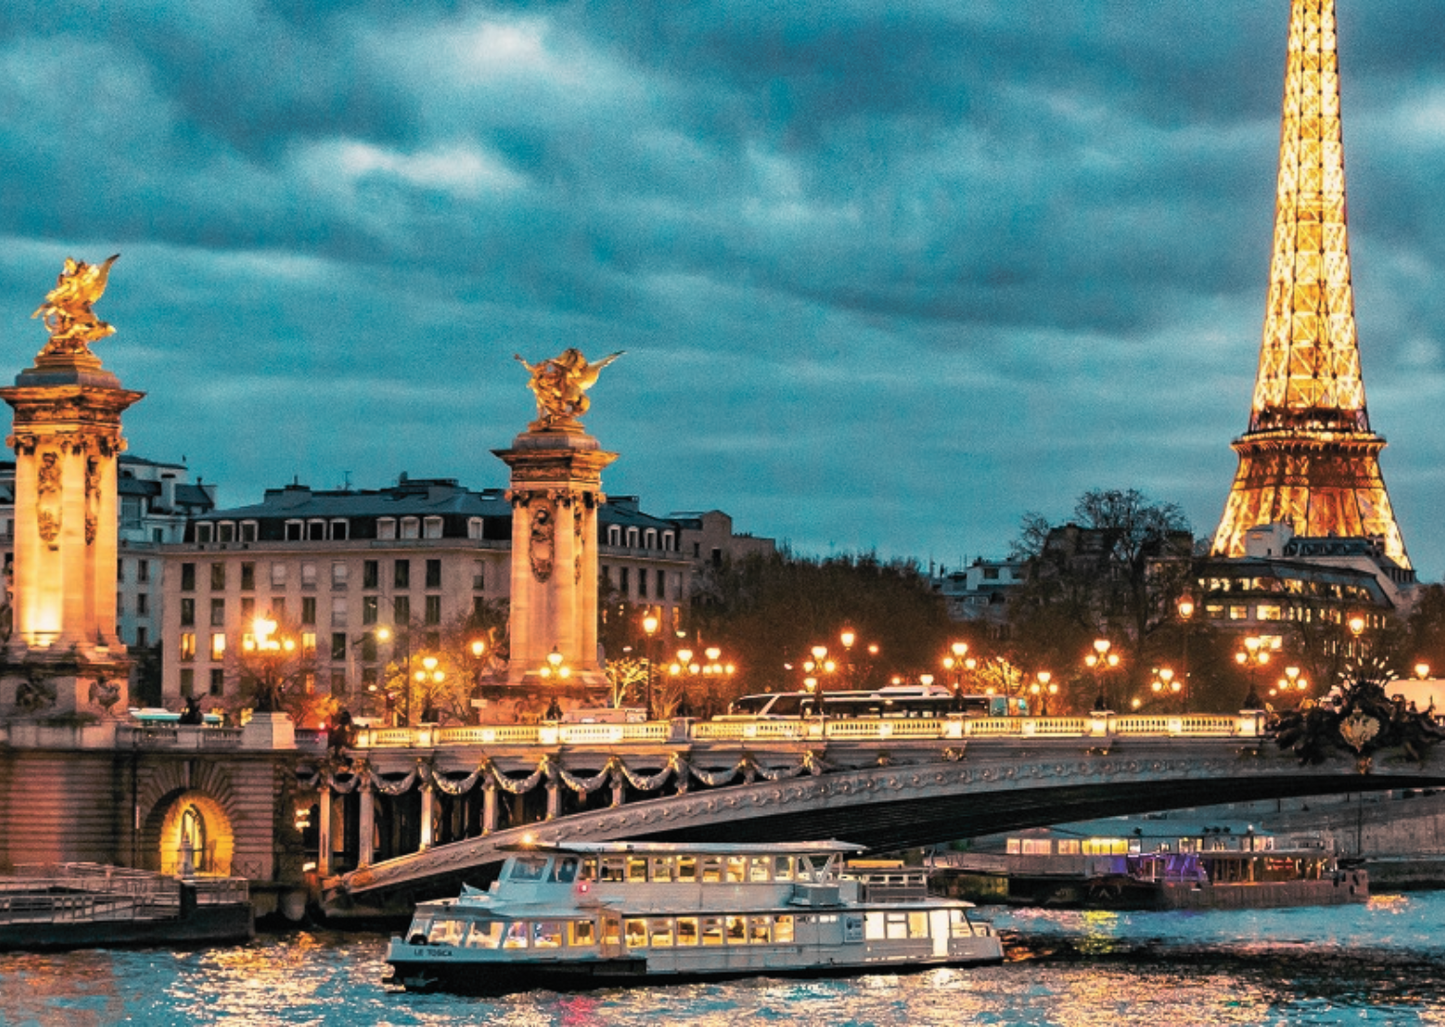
[410,527]
[386,527]
[669,542]
[188,645]
[338,682]
[614,535]
[308,645]
[218,613]
[433,574]
[368,647]
[294,530]
[218,646]
[278,575]
[188,612]
[120,604]
[278,609]
[642,583]
[624,580]
[474,527]
[316,531]
[368,678]
[248,577]
[248,609]
[649,538]
[432,528]
[218,681]
[143,571]
[249,531]
[479,575]
[433,609]
[339,573]
[401,574]
[308,575]
[308,609]
[130,512]
[141,637]
[401,611]
[370,574]
[370,606]
[338,646]
[143,604]
[203,533]
[227,531]
[631,538]
[218,577]
[188,682]
[339,529]
[338,612]
[479,607]
[660,592]
[188,577]
[120,570]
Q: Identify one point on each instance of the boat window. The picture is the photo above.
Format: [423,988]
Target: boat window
[807,871]
[446,932]
[636,931]
[528,868]
[659,932]
[485,934]
[589,869]
[687,868]
[874,926]
[711,869]
[581,932]
[609,930]
[687,930]
[516,937]
[547,934]
[760,930]
[712,930]
[783,868]
[418,932]
[611,868]
[564,871]
[918,925]
[736,867]
[662,868]
[897,925]
[737,930]
[959,921]
[761,869]
[636,869]
[783,930]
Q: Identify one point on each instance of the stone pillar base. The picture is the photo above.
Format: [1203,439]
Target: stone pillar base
[43,689]
[269,731]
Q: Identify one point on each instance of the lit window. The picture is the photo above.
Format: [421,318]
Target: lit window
[218,646]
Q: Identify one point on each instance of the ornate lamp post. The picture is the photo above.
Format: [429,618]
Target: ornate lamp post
[1043,689]
[684,669]
[429,678]
[269,648]
[1100,661]
[1165,681]
[954,662]
[1253,656]
[555,667]
[1422,671]
[818,666]
[650,624]
[1291,682]
[1186,618]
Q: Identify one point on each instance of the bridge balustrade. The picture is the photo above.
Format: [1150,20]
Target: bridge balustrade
[548,735]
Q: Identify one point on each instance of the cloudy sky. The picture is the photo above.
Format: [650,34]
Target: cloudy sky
[888,275]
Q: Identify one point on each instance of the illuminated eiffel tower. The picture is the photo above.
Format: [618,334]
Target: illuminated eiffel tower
[1309,458]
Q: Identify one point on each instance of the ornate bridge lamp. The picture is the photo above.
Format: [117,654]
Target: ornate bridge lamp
[1043,689]
[1422,671]
[683,670]
[1357,625]
[1186,619]
[428,680]
[1164,682]
[555,667]
[1291,682]
[1253,656]
[816,668]
[650,624]
[954,663]
[264,644]
[1100,661]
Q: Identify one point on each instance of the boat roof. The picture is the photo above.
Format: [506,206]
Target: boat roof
[675,848]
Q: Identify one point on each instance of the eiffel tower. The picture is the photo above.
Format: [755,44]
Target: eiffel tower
[1308,457]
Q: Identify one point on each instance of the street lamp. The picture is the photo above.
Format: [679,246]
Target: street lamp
[1253,656]
[1292,682]
[955,662]
[1422,671]
[816,668]
[554,667]
[1165,681]
[1186,617]
[1042,689]
[650,624]
[1099,661]
[428,679]
[265,645]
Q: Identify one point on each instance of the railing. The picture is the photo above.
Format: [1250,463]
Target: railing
[1248,724]
[58,892]
[174,736]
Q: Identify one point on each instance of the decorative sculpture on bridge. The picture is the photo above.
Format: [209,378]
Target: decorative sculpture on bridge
[560,385]
[67,308]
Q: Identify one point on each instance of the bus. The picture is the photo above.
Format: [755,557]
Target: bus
[915,701]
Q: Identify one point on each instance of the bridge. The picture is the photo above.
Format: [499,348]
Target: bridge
[886,784]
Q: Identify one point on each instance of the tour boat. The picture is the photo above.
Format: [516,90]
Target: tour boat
[588,914]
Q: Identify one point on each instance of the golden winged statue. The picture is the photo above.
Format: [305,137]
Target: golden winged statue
[560,385]
[67,308]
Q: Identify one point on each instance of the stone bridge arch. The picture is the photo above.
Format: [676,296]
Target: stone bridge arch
[892,807]
[193,800]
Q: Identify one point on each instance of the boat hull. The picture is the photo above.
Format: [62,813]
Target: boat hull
[497,978]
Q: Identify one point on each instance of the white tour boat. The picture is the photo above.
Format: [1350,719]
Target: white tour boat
[594,913]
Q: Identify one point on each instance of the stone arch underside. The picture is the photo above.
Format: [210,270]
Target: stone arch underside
[204,788]
[884,809]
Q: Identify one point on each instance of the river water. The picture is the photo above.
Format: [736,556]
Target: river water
[1381,963]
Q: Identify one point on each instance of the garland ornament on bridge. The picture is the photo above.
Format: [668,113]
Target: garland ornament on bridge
[343,778]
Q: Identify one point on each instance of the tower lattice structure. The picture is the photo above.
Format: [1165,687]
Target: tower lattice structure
[1309,458]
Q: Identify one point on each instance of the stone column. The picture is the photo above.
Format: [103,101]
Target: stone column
[323,830]
[554,799]
[428,814]
[556,487]
[366,843]
[489,806]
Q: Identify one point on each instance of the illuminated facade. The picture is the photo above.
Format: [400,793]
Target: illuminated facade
[1309,458]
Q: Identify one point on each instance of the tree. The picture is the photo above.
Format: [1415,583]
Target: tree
[1116,571]
[272,672]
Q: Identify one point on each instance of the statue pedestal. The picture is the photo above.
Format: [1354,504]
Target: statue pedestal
[556,488]
[53,686]
[269,731]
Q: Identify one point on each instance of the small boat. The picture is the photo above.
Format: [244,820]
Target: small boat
[86,905]
[589,914]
